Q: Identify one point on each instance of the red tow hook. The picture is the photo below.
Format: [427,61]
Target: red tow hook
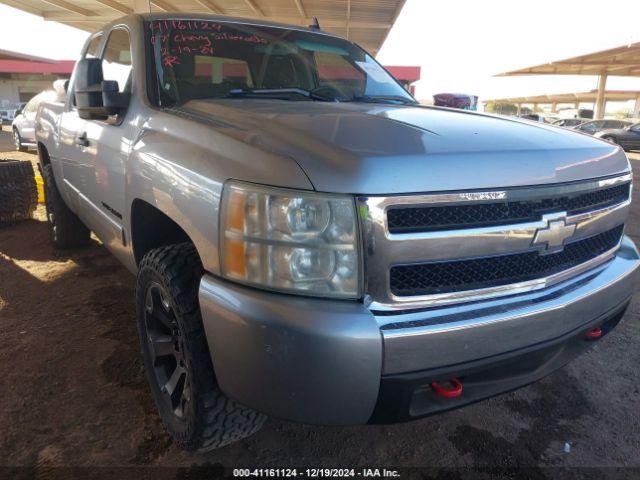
[453,392]
[594,334]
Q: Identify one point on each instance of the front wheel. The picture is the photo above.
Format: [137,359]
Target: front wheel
[176,356]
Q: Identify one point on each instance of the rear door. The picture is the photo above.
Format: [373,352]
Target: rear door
[613,124]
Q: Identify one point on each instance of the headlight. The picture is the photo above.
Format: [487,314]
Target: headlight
[289,240]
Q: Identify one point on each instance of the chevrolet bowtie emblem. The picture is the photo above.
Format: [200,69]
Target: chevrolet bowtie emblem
[552,237]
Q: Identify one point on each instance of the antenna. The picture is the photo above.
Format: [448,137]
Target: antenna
[315,25]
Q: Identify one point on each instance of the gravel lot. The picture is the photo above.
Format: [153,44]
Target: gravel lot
[73,391]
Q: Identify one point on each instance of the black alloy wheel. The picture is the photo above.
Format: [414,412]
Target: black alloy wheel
[176,357]
[165,344]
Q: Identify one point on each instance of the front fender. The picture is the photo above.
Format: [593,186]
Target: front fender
[180,167]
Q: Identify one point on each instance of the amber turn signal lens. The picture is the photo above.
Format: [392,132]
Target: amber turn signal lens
[235,259]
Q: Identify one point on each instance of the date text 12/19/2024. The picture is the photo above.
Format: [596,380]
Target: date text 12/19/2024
[316,472]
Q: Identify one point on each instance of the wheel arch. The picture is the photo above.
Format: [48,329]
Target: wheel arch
[151,228]
[43,153]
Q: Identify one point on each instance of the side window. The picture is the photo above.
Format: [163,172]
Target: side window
[116,59]
[93,49]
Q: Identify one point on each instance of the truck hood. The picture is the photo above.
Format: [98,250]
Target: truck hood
[387,149]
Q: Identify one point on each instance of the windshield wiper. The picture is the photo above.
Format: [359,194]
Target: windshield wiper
[383,99]
[277,93]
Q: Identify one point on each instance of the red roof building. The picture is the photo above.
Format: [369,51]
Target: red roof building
[23,76]
[406,76]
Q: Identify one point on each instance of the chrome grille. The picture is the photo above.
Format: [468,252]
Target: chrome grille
[476,273]
[548,234]
[451,217]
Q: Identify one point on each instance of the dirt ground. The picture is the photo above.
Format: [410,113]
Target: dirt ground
[72,390]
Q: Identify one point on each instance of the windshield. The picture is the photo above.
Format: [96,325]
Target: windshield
[197,59]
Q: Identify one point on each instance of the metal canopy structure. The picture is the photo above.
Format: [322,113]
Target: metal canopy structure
[580,97]
[555,99]
[365,22]
[620,61]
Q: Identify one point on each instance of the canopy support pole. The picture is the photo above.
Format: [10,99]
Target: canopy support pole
[600,99]
[141,6]
[636,108]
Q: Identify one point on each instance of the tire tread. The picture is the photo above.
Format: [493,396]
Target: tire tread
[18,191]
[219,420]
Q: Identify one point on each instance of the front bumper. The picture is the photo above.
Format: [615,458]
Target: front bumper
[336,362]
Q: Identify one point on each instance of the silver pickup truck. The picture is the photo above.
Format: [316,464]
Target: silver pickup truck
[310,243]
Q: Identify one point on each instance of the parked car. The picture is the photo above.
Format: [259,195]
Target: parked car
[628,138]
[23,125]
[585,113]
[6,116]
[594,126]
[539,117]
[461,101]
[310,243]
[570,122]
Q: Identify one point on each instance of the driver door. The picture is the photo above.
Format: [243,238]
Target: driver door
[105,148]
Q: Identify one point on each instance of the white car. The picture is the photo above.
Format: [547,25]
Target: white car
[23,125]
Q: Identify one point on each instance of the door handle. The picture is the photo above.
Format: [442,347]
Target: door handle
[82,140]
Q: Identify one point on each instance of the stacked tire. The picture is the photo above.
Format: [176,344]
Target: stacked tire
[18,191]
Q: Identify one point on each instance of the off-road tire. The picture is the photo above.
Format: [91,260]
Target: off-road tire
[209,420]
[18,191]
[17,141]
[66,230]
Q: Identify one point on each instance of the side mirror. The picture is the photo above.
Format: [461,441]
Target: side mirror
[96,98]
[113,100]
